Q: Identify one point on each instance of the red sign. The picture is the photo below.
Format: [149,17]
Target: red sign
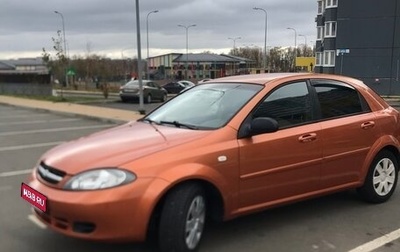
[34,197]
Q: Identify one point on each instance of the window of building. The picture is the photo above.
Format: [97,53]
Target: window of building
[318,59]
[330,29]
[320,7]
[320,32]
[329,58]
[331,3]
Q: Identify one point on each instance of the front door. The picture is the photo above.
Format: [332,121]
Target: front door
[279,166]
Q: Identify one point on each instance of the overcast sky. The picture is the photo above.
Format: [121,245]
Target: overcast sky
[108,27]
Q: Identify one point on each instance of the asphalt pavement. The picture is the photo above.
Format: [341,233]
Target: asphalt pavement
[339,222]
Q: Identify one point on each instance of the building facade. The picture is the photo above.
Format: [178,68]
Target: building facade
[361,39]
[25,77]
[198,65]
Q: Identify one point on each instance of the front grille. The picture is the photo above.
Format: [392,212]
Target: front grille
[50,174]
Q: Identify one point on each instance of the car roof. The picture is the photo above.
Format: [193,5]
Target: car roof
[263,79]
[137,81]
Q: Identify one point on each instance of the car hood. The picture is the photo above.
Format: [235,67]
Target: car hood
[117,146]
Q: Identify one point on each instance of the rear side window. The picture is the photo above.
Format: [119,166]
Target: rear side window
[338,99]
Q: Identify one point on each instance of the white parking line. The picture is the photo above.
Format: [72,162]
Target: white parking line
[14,173]
[10,133]
[378,242]
[29,146]
[39,121]
[36,221]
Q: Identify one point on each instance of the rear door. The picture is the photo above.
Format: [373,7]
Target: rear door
[349,130]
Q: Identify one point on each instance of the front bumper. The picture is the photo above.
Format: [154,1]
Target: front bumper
[116,214]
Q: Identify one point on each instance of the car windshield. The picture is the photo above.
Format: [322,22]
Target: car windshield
[207,106]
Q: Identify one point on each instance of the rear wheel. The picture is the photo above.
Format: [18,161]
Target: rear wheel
[182,219]
[381,179]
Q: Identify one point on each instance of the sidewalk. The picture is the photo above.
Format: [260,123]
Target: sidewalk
[100,113]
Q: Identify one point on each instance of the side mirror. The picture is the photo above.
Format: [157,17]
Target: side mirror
[263,125]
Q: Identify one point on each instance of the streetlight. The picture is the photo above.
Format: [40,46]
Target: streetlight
[295,47]
[305,39]
[65,45]
[265,36]
[234,43]
[147,29]
[234,49]
[187,46]
[125,63]
[295,38]
[142,111]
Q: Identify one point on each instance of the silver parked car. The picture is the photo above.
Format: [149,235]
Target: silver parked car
[151,91]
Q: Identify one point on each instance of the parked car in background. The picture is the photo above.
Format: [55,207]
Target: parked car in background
[187,83]
[226,148]
[151,91]
[174,87]
[203,80]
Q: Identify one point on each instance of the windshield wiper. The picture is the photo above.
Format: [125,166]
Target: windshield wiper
[179,125]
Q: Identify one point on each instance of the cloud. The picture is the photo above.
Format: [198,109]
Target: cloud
[110,26]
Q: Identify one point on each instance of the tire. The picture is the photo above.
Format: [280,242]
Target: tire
[182,219]
[164,98]
[381,179]
[124,100]
[148,98]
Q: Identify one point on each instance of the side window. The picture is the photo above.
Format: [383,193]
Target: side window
[289,105]
[338,99]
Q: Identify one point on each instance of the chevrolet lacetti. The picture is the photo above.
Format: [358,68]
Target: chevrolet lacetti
[222,149]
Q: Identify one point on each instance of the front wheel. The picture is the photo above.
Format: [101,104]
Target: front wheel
[164,97]
[381,179]
[148,99]
[182,219]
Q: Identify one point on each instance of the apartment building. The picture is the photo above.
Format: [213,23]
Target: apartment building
[360,38]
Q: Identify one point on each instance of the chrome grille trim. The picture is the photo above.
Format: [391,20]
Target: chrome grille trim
[49,174]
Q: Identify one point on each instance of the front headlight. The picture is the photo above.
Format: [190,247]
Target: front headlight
[99,179]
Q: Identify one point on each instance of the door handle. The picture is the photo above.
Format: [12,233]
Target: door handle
[308,137]
[368,125]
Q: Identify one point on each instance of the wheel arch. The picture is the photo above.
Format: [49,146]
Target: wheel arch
[388,143]
[213,196]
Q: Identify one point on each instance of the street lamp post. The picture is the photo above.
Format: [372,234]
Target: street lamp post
[147,29]
[142,111]
[65,44]
[305,39]
[125,63]
[295,47]
[234,43]
[187,47]
[305,43]
[265,37]
[234,50]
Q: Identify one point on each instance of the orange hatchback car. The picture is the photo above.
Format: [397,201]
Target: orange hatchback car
[222,149]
